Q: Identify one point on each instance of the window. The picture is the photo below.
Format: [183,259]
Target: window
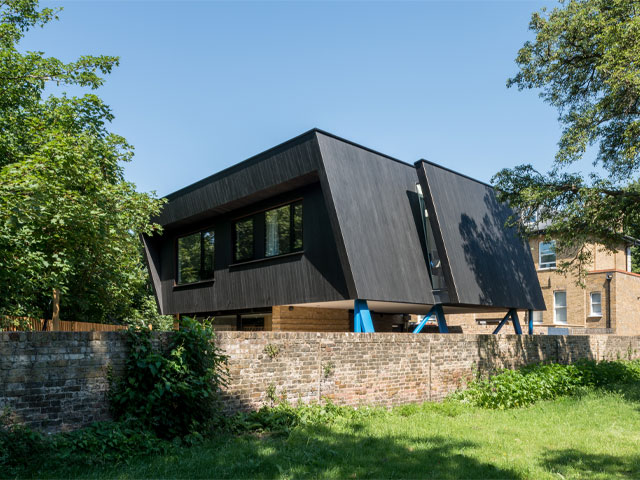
[547,254]
[283,230]
[560,307]
[596,304]
[243,240]
[537,316]
[195,257]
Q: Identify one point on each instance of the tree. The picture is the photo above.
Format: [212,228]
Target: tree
[68,219]
[584,59]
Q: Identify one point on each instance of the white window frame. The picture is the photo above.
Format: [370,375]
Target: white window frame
[556,307]
[591,303]
[547,265]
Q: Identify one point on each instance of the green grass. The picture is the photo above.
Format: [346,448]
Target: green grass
[596,435]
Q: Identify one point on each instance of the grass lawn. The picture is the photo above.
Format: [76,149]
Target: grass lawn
[594,436]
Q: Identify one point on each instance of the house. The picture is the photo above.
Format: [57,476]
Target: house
[609,302]
[322,234]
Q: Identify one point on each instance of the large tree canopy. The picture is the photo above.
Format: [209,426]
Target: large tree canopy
[585,61]
[68,219]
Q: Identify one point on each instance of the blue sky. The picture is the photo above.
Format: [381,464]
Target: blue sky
[204,85]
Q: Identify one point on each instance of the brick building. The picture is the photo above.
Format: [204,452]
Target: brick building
[610,298]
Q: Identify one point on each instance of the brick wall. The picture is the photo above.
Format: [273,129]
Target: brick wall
[57,380]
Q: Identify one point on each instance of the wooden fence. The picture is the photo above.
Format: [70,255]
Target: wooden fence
[34,324]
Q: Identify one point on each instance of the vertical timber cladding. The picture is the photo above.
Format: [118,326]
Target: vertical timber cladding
[485,263]
[307,319]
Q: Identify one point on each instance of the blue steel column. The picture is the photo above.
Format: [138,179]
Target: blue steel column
[516,322]
[362,317]
[442,322]
[530,314]
[501,324]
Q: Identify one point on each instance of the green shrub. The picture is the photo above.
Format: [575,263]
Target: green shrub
[174,391]
[519,388]
[107,443]
[283,417]
[19,445]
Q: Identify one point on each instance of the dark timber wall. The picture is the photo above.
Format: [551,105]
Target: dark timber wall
[486,263]
[378,213]
[363,234]
[312,275]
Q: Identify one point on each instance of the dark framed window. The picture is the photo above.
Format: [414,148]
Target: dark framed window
[283,229]
[243,240]
[195,257]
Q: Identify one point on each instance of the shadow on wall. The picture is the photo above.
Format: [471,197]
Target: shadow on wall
[496,353]
[495,257]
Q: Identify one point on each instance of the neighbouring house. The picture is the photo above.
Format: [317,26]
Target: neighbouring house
[609,302]
[322,234]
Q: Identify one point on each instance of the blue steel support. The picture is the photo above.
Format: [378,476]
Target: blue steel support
[530,321]
[442,322]
[516,321]
[362,317]
[501,324]
[513,313]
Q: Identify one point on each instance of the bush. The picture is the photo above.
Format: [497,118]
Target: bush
[174,391]
[283,417]
[519,388]
[18,446]
[107,442]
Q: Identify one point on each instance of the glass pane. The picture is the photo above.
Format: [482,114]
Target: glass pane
[537,316]
[208,245]
[547,254]
[297,226]
[189,258]
[596,303]
[244,240]
[278,231]
[561,315]
[560,299]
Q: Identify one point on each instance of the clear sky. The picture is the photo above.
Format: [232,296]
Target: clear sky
[204,85]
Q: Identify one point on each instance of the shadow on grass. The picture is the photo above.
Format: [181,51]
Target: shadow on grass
[317,451]
[320,451]
[573,463]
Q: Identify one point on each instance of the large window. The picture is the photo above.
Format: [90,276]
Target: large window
[560,307]
[283,230]
[195,257]
[547,257]
[243,240]
[596,304]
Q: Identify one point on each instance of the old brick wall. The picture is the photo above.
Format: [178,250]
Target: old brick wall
[57,380]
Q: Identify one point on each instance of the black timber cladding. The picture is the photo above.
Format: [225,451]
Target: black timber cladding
[376,204]
[363,233]
[284,173]
[486,263]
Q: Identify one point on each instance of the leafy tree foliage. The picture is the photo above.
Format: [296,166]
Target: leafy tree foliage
[584,59]
[68,219]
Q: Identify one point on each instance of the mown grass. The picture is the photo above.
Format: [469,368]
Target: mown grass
[595,435]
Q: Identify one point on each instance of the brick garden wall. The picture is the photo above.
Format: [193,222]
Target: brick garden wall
[57,380]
